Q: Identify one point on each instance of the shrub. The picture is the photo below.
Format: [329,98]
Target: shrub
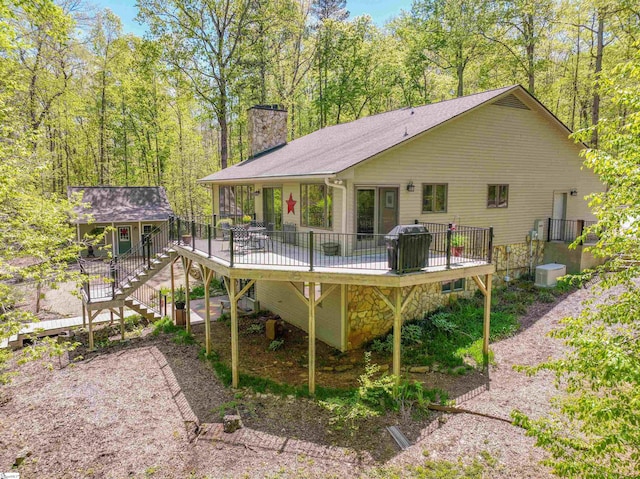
[164,325]
[276,344]
[255,328]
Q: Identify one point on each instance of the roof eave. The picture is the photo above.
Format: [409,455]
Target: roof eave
[267,179]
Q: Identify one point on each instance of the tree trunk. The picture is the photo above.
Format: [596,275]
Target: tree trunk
[595,112]
[530,42]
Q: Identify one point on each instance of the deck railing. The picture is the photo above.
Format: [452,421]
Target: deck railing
[568,230]
[443,246]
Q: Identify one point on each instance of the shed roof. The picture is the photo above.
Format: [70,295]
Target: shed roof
[334,149]
[122,203]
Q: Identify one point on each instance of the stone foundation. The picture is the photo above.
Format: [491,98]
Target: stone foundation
[518,259]
[368,316]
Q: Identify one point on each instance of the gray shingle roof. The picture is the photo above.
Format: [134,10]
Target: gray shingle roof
[123,203]
[336,148]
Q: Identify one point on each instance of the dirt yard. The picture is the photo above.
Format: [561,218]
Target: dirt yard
[151,408]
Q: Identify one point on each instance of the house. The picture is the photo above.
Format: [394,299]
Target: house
[130,212]
[494,159]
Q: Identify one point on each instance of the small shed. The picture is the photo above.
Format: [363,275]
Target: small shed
[131,212]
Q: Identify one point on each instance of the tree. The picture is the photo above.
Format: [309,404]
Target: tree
[449,29]
[204,39]
[36,238]
[594,432]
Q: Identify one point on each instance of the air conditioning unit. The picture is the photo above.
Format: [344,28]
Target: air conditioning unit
[547,274]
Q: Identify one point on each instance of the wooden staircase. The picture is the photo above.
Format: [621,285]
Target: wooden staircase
[122,281]
[147,312]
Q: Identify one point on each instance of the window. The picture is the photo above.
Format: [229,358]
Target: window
[434,198]
[451,286]
[498,196]
[237,200]
[317,205]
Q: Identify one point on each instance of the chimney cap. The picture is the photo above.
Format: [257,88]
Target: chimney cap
[274,107]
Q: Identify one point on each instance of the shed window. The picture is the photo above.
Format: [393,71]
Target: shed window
[237,201]
[498,196]
[317,205]
[434,198]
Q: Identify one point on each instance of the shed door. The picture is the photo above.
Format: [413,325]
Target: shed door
[124,239]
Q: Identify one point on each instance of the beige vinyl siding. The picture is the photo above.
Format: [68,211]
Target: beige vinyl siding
[110,237]
[277,297]
[491,145]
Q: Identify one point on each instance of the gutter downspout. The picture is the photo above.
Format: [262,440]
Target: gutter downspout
[338,184]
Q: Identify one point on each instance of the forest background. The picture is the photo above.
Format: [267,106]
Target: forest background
[94,106]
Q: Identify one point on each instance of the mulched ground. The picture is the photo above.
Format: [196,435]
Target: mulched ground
[115,414]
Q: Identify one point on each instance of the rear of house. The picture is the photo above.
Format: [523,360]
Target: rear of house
[497,159]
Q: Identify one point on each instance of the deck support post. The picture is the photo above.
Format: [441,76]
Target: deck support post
[233,299]
[397,333]
[486,326]
[84,314]
[173,294]
[186,264]
[207,275]
[91,317]
[312,338]
[121,312]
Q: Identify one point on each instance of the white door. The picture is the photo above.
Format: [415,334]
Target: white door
[558,225]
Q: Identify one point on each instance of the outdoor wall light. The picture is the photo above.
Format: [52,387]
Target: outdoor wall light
[256,193]
[573,192]
[411,187]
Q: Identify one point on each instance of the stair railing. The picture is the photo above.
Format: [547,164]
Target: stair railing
[149,297]
[139,258]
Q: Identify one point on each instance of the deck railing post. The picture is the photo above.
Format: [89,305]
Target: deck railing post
[209,240]
[113,266]
[548,230]
[449,234]
[231,248]
[215,226]
[170,228]
[400,254]
[148,244]
[193,236]
[310,250]
[490,258]
[178,230]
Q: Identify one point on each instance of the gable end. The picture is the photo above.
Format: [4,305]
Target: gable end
[511,101]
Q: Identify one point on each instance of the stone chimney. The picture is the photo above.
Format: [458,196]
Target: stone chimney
[267,125]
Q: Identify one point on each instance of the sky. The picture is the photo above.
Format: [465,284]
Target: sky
[379,10]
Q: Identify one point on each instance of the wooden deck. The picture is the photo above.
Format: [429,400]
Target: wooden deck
[277,261]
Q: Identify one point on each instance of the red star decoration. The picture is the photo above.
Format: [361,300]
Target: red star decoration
[291,204]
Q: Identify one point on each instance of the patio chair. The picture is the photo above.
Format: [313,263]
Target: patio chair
[241,238]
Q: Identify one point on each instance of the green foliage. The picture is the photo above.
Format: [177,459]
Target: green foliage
[164,325]
[377,393]
[180,295]
[276,344]
[255,328]
[593,430]
[182,337]
[48,347]
[215,288]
